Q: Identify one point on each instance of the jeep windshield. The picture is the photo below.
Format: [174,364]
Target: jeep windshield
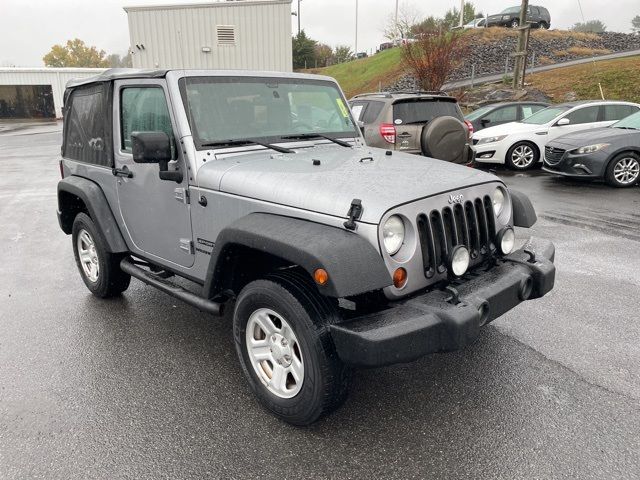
[222,111]
[545,115]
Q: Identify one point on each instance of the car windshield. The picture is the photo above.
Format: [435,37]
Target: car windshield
[631,122]
[511,10]
[545,115]
[234,108]
[478,113]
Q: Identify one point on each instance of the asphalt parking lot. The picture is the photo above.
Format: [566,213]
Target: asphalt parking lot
[146,387]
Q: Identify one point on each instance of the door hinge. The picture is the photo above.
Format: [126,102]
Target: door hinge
[182,195]
[186,245]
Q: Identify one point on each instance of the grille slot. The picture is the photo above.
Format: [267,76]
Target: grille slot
[553,155]
[471,224]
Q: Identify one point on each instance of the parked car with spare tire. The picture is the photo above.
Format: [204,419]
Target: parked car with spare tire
[611,153]
[257,191]
[426,123]
[520,145]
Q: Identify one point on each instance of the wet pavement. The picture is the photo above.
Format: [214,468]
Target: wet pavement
[144,386]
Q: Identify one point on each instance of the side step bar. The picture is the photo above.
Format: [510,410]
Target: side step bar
[203,304]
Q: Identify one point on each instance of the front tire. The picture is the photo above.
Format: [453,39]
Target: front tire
[624,170]
[522,156]
[99,269]
[282,339]
[515,23]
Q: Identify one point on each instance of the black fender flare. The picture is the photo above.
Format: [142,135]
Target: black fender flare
[353,264]
[97,206]
[524,215]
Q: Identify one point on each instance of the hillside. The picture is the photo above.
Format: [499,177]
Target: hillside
[488,49]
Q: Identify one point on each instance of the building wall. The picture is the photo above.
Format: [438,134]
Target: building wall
[56,77]
[174,36]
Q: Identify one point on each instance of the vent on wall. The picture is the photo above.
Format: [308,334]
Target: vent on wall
[226,34]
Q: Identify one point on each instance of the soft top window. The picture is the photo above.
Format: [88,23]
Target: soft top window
[87,134]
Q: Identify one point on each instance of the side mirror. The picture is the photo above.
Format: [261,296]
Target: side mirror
[150,147]
[154,147]
[563,121]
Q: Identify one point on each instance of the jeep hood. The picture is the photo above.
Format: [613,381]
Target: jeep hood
[381,181]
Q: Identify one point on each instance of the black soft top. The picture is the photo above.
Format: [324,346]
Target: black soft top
[116,74]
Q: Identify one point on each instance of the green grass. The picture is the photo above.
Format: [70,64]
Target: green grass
[619,80]
[366,74]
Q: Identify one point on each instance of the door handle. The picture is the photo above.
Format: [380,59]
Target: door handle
[122,172]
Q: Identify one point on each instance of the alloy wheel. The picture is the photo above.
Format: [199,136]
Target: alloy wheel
[88,256]
[275,353]
[522,156]
[627,171]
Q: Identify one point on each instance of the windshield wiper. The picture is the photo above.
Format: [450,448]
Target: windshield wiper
[303,136]
[627,128]
[246,141]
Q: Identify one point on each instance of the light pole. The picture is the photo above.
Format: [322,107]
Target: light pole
[461,13]
[356,52]
[299,16]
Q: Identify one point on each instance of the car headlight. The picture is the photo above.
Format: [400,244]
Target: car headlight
[497,138]
[499,200]
[591,148]
[393,234]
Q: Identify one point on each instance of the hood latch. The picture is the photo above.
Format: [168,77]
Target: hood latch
[354,213]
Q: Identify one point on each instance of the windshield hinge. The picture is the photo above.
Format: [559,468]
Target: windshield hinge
[182,195]
[354,213]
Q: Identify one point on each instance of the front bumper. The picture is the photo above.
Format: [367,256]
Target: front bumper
[497,150]
[573,165]
[440,320]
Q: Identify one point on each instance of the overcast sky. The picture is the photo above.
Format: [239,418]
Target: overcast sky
[28,28]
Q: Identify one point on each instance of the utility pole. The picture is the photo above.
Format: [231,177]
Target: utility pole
[299,17]
[461,13]
[356,52]
[523,44]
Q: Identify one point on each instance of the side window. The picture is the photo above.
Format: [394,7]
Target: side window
[584,115]
[86,136]
[528,110]
[535,11]
[144,109]
[372,112]
[504,114]
[618,112]
[356,111]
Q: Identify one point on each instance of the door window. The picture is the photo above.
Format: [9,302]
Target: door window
[584,115]
[144,109]
[618,112]
[503,115]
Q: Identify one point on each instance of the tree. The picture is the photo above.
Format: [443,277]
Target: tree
[116,61]
[408,17]
[635,24]
[592,26]
[452,17]
[323,54]
[303,51]
[430,23]
[342,54]
[433,57]
[75,54]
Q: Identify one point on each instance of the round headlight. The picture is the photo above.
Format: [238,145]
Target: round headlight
[506,240]
[460,260]
[498,201]
[393,234]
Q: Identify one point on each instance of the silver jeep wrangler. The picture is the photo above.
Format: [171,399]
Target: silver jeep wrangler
[258,188]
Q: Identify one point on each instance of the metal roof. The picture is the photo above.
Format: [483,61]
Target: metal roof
[183,6]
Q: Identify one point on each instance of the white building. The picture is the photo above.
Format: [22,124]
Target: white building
[241,34]
[36,92]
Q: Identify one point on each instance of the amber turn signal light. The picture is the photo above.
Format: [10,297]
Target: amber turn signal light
[399,277]
[321,276]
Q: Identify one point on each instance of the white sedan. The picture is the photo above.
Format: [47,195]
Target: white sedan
[520,145]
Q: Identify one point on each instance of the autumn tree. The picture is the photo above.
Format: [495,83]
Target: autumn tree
[75,54]
[433,57]
[401,27]
[323,54]
[116,61]
[342,54]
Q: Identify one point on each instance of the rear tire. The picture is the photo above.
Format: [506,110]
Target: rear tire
[543,26]
[522,156]
[99,269]
[624,170]
[282,338]
[515,23]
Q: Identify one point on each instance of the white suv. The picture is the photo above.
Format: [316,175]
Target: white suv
[520,145]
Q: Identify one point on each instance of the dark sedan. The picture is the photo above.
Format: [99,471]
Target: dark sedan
[504,112]
[612,153]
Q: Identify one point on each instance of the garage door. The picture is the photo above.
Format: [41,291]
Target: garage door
[26,101]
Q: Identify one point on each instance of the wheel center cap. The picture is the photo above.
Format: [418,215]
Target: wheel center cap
[280,349]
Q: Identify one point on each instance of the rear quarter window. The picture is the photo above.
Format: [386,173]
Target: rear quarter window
[423,111]
[372,111]
[618,112]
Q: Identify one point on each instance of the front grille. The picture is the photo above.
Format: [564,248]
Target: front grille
[552,155]
[471,224]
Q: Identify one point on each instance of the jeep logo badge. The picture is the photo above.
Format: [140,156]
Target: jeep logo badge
[456,198]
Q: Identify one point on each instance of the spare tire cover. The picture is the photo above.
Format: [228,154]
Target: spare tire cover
[445,138]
